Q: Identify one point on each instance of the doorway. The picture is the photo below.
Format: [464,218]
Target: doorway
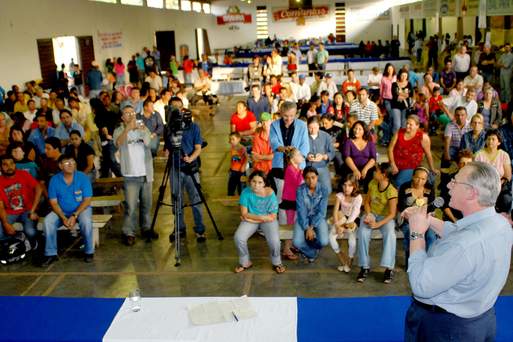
[166,45]
[54,52]
[202,44]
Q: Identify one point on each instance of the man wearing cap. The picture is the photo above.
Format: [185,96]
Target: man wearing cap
[94,80]
[303,90]
[329,85]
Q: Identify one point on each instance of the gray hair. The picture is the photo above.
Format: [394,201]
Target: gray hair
[287,106]
[485,178]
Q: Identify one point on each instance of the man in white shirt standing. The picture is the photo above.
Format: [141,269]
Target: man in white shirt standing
[154,80]
[160,104]
[276,63]
[374,81]
[310,59]
[133,139]
[30,114]
[461,63]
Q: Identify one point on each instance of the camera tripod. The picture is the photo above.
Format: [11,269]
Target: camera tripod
[177,200]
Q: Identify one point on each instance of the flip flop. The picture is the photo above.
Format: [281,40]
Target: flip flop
[241,268]
[279,269]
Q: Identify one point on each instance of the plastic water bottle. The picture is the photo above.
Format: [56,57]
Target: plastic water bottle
[135,300]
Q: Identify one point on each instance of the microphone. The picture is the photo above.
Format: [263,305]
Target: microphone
[438,202]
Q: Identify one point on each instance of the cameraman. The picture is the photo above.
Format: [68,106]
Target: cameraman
[187,160]
[133,139]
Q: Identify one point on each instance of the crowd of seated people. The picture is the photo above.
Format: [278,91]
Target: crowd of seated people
[302,141]
[470,120]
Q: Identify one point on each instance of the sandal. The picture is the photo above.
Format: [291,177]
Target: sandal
[279,268]
[241,268]
[289,256]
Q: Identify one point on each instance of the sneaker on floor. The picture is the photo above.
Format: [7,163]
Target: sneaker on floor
[388,276]
[150,234]
[201,238]
[88,258]
[49,260]
[362,276]
[183,235]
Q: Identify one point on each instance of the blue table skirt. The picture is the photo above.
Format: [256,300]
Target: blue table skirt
[56,319]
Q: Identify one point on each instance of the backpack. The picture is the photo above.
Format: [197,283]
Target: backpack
[14,248]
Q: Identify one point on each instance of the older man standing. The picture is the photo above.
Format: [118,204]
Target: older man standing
[287,132]
[506,66]
[456,283]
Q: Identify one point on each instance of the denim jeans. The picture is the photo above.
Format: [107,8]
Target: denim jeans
[429,237]
[389,244]
[109,161]
[272,236]
[402,177]
[398,119]
[311,248]
[386,126]
[29,226]
[154,145]
[325,178]
[422,324]
[187,185]
[234,182]
[53,222]
[137,196]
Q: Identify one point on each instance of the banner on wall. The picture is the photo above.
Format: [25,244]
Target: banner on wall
[109,40]
[499,7]
[294,14]
[233,16]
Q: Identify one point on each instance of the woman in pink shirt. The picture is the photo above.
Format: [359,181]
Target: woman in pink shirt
[385,90]
[119,69]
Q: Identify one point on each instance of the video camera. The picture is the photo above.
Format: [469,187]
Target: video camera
[177,121]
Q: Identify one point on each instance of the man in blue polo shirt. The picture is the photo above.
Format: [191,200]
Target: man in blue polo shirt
[39,134]
[70,193]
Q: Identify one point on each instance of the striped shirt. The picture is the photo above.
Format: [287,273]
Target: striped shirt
[366,114]
[452,130]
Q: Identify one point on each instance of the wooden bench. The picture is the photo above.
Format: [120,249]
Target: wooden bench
[99,221]
[287,230]
[107,201]
[233,201]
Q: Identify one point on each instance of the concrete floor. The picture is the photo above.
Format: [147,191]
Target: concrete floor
[207,268]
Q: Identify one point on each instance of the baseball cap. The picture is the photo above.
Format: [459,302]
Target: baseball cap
[265,116]
[302,76]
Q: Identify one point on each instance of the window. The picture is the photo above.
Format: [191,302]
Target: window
[261,22]
[206,8]
[132,2]
[155,3]
[173,4]
[185,5]
[196,6]
[108,1]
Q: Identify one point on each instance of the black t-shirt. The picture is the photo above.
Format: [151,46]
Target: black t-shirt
[84,150]
[486,57]
[395,92]
[406,198]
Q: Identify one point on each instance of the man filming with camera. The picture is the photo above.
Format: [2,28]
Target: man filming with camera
[183,141]
[133,139]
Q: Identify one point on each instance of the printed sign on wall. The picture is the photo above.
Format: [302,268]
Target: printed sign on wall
[232,16]
[110,40]
[294,14]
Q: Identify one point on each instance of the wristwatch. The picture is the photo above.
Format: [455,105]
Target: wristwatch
[416,235]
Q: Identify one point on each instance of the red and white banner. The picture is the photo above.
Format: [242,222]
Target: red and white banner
[300,13]
[234,18]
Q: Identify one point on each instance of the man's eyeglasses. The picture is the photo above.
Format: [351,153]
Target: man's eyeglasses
[454,181]
[68,163]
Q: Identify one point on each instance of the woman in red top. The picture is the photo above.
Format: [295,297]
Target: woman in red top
[338,108]
[243,121]
[407,149]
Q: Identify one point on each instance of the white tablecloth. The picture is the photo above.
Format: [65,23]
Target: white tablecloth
[166,319]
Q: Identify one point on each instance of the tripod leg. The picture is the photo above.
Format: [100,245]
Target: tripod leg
[204,201]
[162,192]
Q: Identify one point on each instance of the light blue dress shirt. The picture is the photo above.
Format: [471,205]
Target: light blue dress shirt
[466,269]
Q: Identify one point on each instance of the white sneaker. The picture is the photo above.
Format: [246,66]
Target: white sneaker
[341,268]
[346,268]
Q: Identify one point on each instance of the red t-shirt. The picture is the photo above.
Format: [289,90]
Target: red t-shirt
[434,103]
[242,125]
[408,154]
[188,65]
[17,192]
